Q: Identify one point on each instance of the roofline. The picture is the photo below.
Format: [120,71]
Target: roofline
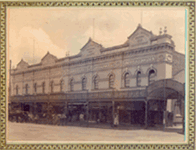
[139,26]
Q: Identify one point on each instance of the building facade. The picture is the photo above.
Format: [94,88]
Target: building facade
[137,78]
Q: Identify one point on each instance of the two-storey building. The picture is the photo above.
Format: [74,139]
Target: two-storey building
[139,80]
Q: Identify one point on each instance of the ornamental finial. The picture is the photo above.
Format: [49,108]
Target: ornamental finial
[165,30]
[160,32]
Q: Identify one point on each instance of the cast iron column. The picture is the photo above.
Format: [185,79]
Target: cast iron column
[113,111]
[164,108]
[99,112]
[146,114]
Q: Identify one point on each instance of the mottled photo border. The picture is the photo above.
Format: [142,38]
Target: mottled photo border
[190,130]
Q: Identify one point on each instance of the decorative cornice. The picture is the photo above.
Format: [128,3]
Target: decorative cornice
[107,56]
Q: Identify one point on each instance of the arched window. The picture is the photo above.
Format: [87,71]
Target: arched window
[61,85]
[83,83]
[151,76]
[111,81]
[51,86]
[95,82]
[26,88]
[71,84]
[17,89]
[126,80]
[43,87]
[138,78]
[35,87]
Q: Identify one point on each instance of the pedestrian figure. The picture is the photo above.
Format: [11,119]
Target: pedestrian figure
[63,119]
[81,118]
[116,120]
[170,117]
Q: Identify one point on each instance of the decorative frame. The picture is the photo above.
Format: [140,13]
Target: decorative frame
[190,5]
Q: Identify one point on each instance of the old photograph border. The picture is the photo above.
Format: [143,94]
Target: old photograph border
[190,63]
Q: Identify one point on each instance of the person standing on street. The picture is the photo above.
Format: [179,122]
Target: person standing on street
[81,118]
[116,120]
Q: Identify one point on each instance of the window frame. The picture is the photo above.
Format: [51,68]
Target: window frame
[150,81]
[126,80]
[52,86]
[138,78]
[43,87]
[61,85]
[26,89]
[84,81]
[111,81]
[17,89]
[95,83]
[35,87]
[71,84]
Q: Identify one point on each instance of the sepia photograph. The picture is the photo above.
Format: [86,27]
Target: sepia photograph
[96,75]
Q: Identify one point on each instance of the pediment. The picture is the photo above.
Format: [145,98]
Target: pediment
[48,59]
[22,64]
[90,49]
[140,37]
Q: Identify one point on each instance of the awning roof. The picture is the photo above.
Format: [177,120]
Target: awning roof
[165,89]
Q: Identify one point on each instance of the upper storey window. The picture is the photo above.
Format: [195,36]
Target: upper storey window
[83,83]
[61,85]
[151,76]
[126,80]
[35,87]
[96,82]
[138,78]
[26,88]
[43,87]
[17,89]
[111,81]
[52,86]
[71,84]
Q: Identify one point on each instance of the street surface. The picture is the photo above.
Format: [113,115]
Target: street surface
[38,132]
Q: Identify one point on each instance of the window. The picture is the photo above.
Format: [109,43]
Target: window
[61,85]
[51,86]
[71,84]
[151,76]
[35,87]
[17,89]
[84,84]
[43,87]
[111,81]
[26,88]
[126,80]
[138,78]
[95,82]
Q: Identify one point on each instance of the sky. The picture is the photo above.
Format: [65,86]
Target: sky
[32,32]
